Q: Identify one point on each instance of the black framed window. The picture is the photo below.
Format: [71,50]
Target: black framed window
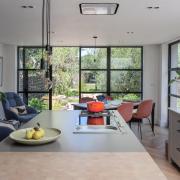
[30,78]
[114,71]
[174,75]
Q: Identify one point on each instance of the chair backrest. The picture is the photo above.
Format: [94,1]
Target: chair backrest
[86,99]
[126,110]
[144,109]
[12,99]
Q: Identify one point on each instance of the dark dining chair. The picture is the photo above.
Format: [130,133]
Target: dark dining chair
[143,112]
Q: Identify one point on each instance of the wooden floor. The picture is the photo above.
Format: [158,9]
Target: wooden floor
[155,145]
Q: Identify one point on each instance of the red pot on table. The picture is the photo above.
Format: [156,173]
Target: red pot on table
[95,106]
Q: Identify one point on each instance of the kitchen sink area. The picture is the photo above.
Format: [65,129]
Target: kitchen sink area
[104,122]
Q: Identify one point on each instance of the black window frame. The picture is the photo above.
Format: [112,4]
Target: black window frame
[170,69]
[25,71]
[108,71]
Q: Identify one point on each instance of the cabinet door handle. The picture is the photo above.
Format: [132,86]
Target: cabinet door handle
[178,149]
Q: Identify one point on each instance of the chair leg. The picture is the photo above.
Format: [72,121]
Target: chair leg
[151,126]
[139,129]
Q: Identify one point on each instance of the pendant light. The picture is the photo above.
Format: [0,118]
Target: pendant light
[95,38]
[46,35]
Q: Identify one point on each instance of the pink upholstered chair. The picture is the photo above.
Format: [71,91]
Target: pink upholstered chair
[126,110]
[143,112]
[86,99]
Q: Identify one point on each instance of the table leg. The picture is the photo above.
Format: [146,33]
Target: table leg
[108,121]
[152,117]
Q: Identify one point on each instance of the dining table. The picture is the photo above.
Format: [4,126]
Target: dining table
[114,104]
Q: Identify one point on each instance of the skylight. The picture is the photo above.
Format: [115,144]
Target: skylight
[98,8]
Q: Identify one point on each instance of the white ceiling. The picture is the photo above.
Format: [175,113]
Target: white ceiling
[23,26]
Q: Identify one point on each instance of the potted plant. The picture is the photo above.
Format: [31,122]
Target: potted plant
[2,96]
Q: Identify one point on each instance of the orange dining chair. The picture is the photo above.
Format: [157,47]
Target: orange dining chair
[86,99]
[143,112]
[126,111]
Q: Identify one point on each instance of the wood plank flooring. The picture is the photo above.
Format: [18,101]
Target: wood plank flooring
[155,145]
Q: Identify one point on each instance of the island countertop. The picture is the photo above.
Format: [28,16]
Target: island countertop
[78,166]
[77,156]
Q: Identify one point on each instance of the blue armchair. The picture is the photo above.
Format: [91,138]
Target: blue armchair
[13,100]
[4,132]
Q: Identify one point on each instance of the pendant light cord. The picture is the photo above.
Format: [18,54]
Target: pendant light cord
[95,37]
[43,8]
[48,30]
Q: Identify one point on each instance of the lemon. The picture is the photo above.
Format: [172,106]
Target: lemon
[42,132]
[37,135]
[29,133]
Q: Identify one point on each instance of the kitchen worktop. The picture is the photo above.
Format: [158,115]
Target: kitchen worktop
[70,142]
[78,166]
[78,156]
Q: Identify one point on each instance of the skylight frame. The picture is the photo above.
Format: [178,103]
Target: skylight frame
[115,11]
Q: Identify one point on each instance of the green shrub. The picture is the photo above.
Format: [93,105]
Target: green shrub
[132,97]
[37,104]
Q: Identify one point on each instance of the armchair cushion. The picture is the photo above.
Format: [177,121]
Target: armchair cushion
[26,117]
[31,110]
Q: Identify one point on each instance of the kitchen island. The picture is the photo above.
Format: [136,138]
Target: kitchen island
[104,156]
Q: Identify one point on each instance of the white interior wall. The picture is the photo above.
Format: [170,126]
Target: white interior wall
[9,54]
[151,76]
[164,86]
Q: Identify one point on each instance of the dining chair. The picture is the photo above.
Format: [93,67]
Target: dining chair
[126,111]
[85,99]
[143,112]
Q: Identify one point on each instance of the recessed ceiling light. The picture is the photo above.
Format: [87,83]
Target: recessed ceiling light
[98,8]
[153,7]
[27,7]
[156,7]
[130,32]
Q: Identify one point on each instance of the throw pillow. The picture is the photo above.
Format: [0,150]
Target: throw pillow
[21,109]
